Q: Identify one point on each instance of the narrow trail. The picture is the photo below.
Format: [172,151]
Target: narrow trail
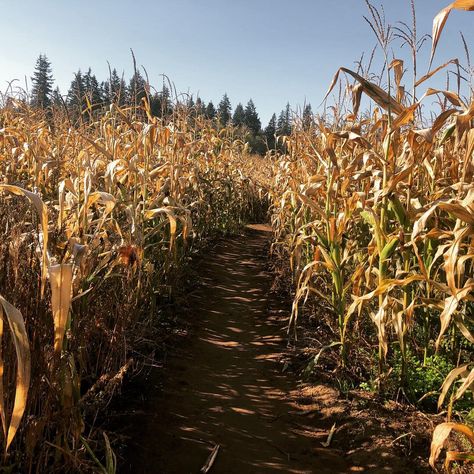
[225,386]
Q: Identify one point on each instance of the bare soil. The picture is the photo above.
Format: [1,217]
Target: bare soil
[223,384]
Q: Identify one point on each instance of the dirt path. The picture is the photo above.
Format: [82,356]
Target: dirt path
[227,387]
[223,385]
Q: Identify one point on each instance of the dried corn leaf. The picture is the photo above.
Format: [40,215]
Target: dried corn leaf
[441,18]
[60,277]
[440,435]
[22,349]
[42,211]
[376,93]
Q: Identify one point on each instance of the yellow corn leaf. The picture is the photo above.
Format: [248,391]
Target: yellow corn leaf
[42,211]
[460,209]
[330,264]
[450,306]
[464,5]
[440,435]
[448,381]
[103,198]
[150,214]
[440,20]
[451,96]
[356,97]
[22,349]
[380,322]
[60,277]
[429,133]
[406,116]
[384,287]
[395,179]
[312,204]
[432,73]
[376,93]
[468,381]
[462,327]
[100,148]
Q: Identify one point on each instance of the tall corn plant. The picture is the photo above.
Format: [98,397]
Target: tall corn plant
[370,178]
[98,220]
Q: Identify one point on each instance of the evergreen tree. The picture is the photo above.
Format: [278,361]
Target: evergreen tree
[56,98]
[238,119]
[114,90]
[307,117]
[155,104]
[200,107]
[284,122]
[270,132]
[92,90]
[160,103]
[211,111]
[165,99]
[251,118]
[224,111]
[281,124]
[288,124]
[190,103]
[42,81]
[137,88]
[75,95]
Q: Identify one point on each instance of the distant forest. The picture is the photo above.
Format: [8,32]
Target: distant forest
[87,93]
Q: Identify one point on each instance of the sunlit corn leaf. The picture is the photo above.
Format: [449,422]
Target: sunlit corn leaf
[60,277]
[440,436]
[376,93]
[42,211]
[23,357]
[466,385]
[448,381]
[440,20]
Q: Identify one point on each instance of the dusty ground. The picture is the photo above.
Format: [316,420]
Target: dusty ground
[223,385]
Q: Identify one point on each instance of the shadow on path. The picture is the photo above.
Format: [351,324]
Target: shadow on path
[226,387]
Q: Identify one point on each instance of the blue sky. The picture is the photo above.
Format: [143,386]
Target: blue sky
[274,51]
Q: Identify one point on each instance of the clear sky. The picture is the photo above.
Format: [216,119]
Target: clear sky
[274,51]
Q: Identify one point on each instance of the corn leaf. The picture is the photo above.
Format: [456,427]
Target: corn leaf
[22,349]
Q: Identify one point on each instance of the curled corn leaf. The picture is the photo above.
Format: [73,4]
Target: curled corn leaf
[441,18]
[22,349]
[440,436]
[42,211]
[375,92]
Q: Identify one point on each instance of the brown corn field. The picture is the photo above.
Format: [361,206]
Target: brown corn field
[372,213]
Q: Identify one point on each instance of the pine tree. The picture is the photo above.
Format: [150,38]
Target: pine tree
[224,111]
[75,95]
[270,132]
[114,90]
[92,89]
[56,98]
[161,106]
[238,119]
[288,119]
[155,104]
[307,117]
[211,111]
[200,107]
[165,99]
[251,118]
[42,81]
[137,88]
[284,122]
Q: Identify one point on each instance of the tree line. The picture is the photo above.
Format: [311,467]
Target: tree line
[87,93]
